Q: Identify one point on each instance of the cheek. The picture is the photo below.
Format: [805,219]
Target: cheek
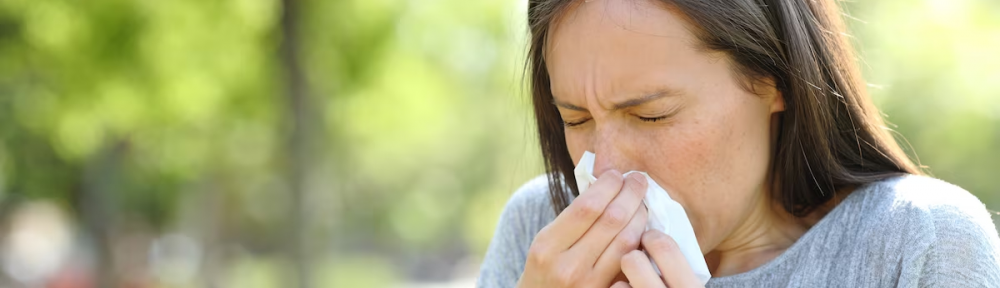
[697,159]
[717,162]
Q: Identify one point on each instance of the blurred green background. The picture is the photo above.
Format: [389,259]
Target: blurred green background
[350,143]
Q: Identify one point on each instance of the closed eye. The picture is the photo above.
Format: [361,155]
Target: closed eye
[654,119]
[666,116]
[576,123]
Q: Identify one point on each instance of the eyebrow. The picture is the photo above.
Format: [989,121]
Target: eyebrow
[624,104]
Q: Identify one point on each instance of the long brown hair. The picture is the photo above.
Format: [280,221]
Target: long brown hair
[831,135]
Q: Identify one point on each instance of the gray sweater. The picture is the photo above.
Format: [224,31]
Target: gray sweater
[908,231]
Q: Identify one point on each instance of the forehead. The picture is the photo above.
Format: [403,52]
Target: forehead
[618,43]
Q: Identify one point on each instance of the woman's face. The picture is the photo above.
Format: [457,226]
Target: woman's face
[633,87]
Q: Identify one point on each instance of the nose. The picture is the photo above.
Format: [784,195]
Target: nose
[611,152]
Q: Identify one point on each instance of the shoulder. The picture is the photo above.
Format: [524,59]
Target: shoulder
[527,212]
[943,233]
[895,213]
[929,206]
[531,199]
[928,200]
[933,194]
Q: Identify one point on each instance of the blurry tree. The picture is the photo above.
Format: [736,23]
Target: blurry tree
[297,145]
[122,107]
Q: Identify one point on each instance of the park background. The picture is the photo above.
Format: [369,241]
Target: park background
[348,143]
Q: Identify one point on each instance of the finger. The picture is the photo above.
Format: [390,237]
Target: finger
[621,284]
[668,257]
[640,273]
[574,221]
[615,217]
[609,262]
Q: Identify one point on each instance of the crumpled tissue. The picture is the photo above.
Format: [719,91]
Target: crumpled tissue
[665,215]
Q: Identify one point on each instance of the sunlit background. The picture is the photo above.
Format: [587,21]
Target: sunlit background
[349,143]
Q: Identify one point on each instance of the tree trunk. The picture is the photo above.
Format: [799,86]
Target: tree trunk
[296,153]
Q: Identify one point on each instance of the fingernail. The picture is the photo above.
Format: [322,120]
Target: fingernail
[638,178]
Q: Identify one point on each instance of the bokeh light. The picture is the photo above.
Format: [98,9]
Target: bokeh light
[161,143]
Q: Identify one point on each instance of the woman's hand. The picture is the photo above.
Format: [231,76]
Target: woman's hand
[668,257]
[584,245]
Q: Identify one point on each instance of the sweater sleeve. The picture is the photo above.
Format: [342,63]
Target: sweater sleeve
[966,248]
[527,211]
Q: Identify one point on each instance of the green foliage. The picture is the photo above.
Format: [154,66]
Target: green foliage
[936,76]
[423,128]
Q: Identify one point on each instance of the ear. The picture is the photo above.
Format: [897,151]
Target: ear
[771,94]
[777,102]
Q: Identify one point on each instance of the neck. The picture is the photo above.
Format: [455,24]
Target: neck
[766,233]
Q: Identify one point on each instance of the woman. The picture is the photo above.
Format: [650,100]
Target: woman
[754,116]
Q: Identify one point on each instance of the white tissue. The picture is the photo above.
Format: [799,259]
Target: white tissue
[665,215]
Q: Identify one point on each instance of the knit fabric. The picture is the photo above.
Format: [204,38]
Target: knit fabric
[907,231]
